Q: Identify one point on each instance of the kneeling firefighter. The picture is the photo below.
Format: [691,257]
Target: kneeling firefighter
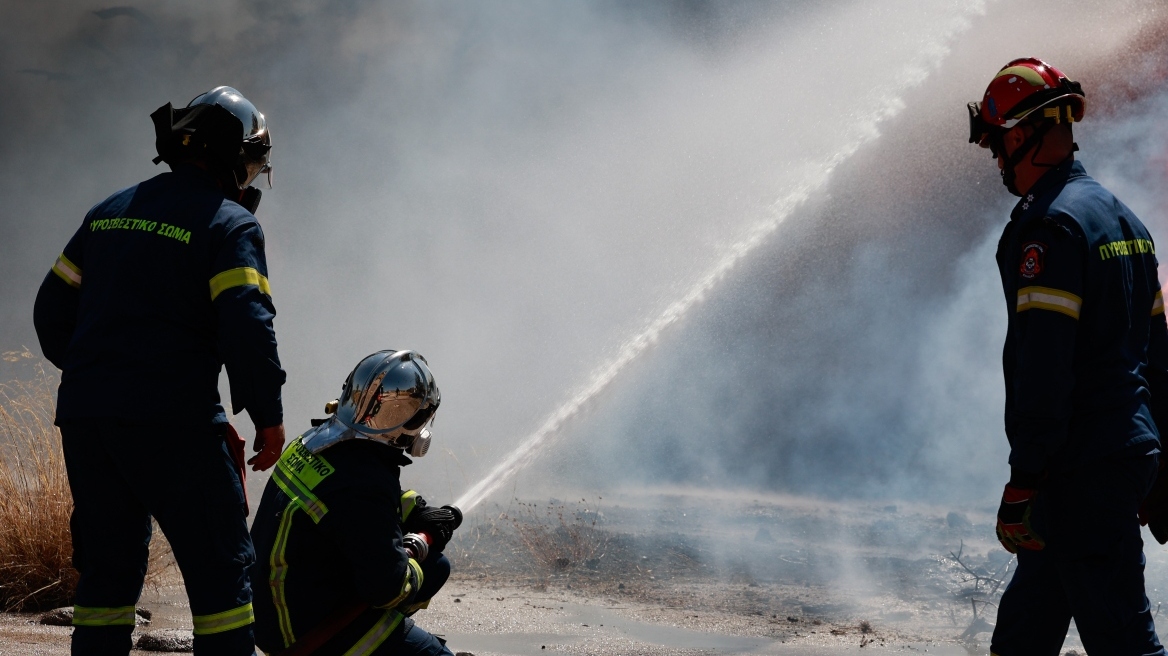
[344,557]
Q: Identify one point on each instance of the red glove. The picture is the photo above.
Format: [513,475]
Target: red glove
[1014,529]
[235,446]
[269,443]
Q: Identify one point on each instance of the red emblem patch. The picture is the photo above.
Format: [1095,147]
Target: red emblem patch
[1032,259]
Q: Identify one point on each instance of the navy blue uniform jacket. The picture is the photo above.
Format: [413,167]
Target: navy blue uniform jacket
[327,534]
[163,284]
[1086,355]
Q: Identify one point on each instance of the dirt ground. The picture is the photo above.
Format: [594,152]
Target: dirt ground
[487,619]
[680,572]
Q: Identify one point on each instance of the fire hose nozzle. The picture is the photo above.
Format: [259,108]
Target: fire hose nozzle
[417,545]
[457,515]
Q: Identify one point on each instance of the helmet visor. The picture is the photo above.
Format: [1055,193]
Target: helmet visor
[425,414]
[257,157]
[421,418]
[979,129]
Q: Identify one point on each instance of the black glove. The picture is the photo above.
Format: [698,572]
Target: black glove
[438,523]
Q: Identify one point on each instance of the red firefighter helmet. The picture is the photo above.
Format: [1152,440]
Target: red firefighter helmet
[1020,88]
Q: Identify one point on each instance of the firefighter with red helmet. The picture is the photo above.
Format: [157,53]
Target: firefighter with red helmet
[1086,373]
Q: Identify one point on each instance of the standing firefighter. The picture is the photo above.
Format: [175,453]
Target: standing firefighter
[163,284]
[1085,371]
[344,556]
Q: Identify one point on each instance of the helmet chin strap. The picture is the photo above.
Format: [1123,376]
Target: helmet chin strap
[1032,146]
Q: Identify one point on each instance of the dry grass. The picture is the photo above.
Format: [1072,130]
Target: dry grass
[36,571]
[557,538]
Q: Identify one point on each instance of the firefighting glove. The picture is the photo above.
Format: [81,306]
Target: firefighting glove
[269,443]
[1014,530]
[438,523]
[1154,510]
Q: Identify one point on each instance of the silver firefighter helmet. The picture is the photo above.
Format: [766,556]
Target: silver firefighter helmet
[390,397]
[255,151]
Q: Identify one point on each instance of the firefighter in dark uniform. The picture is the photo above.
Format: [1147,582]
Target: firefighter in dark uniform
[1085,371]
[344,557]
[163,284]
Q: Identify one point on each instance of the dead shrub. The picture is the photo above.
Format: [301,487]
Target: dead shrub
[36,572]
[558,539]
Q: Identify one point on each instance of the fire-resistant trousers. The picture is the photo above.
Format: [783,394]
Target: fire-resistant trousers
[121,474]
[364,635]
[1092,569]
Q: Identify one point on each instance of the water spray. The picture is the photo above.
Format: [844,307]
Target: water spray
[887,104]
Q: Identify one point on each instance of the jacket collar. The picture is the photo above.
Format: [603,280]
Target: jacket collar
[1040,196]
[203,177]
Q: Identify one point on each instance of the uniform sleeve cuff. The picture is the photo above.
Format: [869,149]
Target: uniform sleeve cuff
[1027,461]
[268,416]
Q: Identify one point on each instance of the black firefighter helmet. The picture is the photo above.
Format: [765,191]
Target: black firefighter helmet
[222,129]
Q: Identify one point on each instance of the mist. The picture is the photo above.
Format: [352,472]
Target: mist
[516,188]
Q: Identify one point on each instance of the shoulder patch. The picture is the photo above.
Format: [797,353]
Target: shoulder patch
[1033,258]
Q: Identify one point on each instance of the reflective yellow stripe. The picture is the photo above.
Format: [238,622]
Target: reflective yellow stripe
[279,574]
[238,278]
[90,616]
[67,271]
[1045,298]
[1158,304]
[376,635]
[406,588]
[225,621]
[314,507]
[417,574]
[408,501]
[297,472]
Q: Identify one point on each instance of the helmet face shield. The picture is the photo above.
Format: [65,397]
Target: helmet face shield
[979,129]
[391,397]
[257,158]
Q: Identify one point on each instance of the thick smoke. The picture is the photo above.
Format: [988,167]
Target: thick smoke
[513,188]
[476,182]
[860,355]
